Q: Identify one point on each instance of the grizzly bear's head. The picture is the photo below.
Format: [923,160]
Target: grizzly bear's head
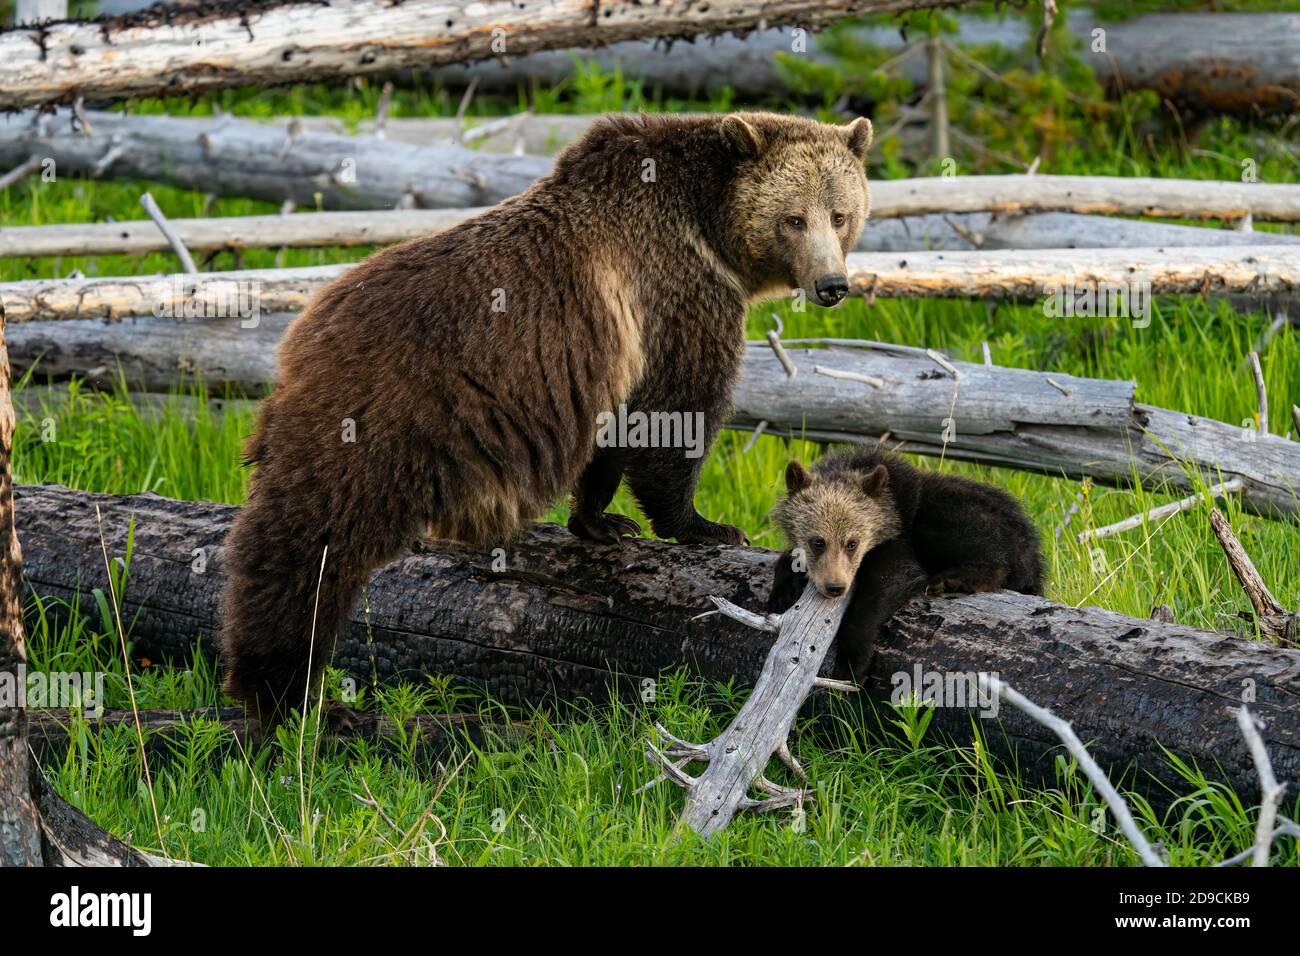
[799,200]
[830,520]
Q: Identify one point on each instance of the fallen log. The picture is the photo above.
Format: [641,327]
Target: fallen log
[153,354]
[1046,422]
[228,156]
[567,620]
[186,50]
[1130,275]
[955,232]
[1231,62]
[1051,423]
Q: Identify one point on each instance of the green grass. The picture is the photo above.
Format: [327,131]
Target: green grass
[566,793]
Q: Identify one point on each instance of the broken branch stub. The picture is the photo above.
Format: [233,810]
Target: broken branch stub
[738,757]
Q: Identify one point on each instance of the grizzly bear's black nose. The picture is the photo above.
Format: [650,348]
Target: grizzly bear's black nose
[835,590]
[831,289]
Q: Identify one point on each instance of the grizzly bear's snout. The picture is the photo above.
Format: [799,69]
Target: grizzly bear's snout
[832,289]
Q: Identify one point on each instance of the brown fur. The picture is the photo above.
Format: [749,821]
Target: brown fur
[470,422]
[831,520]
[916,529]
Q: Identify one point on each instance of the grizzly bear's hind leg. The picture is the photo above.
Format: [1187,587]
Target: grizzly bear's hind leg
[663,481]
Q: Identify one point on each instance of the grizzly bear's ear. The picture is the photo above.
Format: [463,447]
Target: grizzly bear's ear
[796,477]
[742,136]
[875,482]
[857,136]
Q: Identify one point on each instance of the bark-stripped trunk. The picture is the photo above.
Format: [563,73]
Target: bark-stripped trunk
[190,49]
[233,157]
[944,233]
[1132,274]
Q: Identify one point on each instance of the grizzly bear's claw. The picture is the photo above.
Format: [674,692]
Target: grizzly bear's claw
[608,528]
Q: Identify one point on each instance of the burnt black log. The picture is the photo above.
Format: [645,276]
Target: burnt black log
[567,620]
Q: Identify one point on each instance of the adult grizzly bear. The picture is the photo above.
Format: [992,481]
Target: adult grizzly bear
[450,386]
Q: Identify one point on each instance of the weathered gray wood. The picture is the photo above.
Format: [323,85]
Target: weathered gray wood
[153,354]
[1050,230]
[228,156]
[575,621]
[297,230]
[1014,418]
[1107,195]
[208,46]
[1013,274]
[1218,61]
[739,756]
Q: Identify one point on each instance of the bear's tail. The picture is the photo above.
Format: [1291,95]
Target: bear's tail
[293,577]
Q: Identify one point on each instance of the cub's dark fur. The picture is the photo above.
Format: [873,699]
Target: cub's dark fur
[451,386]
[910,529]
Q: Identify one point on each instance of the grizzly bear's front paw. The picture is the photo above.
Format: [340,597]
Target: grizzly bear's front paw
[703,531]
[607,528]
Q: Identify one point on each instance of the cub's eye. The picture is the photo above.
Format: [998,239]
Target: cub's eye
[851,547]
[818,544]
[839,219]
[794,222]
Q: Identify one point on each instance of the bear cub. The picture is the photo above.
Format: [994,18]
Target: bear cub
[868,517]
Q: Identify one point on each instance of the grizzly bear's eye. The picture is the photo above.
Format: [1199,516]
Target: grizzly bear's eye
[818,544]
[851,547]
[839,219]
[794,222]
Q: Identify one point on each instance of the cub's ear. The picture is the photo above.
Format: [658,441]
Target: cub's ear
[875,482]
[796,478]
[742,136]
[857,136]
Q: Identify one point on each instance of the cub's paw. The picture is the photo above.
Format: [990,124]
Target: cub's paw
[608,528]
[939,585]
[707,532]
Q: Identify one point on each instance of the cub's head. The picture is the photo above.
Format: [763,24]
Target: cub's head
[831,520]
[799,201]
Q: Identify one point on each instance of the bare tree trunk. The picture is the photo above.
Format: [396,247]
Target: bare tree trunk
[191,49]
[235,157]
[576,621]
[1134,274]
[942,233]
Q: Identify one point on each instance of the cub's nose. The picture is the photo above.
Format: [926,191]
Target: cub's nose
[831,289]
[835,590]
